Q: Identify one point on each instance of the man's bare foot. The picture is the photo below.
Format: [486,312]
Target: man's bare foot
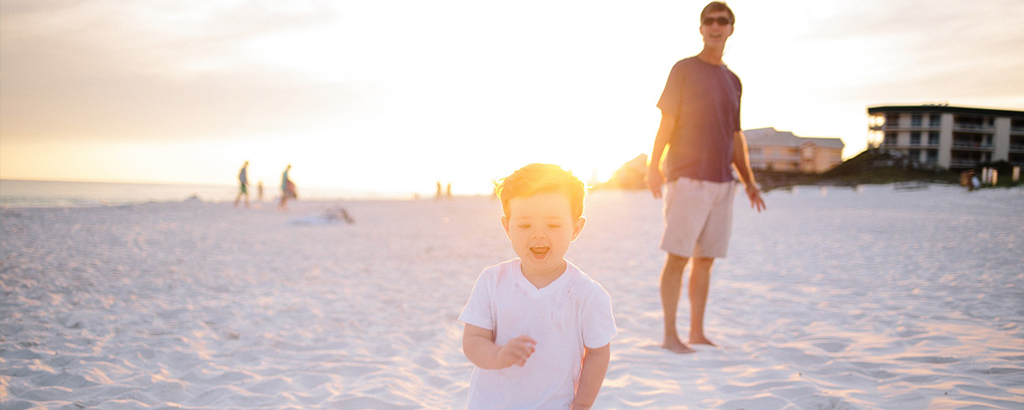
[701,341]
[675,346]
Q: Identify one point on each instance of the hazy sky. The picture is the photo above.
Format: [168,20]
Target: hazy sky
[395,95]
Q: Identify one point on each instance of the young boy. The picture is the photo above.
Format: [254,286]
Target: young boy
[537,328]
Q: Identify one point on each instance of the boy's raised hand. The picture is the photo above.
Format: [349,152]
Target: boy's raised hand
[516,351]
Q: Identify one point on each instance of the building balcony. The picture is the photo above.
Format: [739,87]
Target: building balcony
[971,146]
[973,128]
[910,146]
[775,158]
[1017,148]
[964,163]
[1017,130]
[897,127]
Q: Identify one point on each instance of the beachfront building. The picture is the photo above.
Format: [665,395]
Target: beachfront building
[951,137]
[772,150]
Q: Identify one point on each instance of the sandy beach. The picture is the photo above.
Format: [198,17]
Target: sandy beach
[835,298]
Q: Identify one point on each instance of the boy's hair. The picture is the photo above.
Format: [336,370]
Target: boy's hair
[717,6]
[536,178]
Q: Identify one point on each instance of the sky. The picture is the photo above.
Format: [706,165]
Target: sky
[391,96]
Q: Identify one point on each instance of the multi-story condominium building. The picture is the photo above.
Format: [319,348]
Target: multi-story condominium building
[950,137]
[773,150]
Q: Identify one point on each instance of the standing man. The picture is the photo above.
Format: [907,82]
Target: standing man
[700,126]
[243,180]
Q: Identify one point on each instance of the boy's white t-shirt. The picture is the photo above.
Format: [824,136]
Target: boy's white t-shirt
[572,312]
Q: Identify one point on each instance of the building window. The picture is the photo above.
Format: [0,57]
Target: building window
[935,120]
[915,138]
[915,120]
[876,121]
[890,138]
[892,119]
[932,156]
[933,138]
[968,122]
[1016,143]
[914,154]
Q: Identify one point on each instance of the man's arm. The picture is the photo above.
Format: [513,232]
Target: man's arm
[478,345]
[595,365]
[741,160]
[654,175]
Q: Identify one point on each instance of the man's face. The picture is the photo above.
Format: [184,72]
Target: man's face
[714,32]
[541,227]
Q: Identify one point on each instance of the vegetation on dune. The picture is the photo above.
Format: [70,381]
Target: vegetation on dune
[871,167]
[874,166]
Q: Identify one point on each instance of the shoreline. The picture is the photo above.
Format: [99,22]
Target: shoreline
[13,201]
[79,194]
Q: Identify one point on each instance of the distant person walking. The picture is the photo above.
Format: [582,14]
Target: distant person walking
[259,190]
[700,125]
[243,180]
[287,189]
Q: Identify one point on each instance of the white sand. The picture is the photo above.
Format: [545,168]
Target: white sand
[882,299]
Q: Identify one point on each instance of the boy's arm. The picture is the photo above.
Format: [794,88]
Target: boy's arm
[478,345]
[595,365]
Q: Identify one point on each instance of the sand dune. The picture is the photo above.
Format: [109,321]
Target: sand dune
[836,299]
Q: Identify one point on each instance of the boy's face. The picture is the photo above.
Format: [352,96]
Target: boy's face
[541,227]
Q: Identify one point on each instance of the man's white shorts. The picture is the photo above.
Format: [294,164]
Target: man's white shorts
[698,217]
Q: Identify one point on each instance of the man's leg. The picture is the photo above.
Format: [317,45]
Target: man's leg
[671,287]
[700,283]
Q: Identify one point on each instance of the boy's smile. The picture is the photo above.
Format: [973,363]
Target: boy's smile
[539,251]
[541,227]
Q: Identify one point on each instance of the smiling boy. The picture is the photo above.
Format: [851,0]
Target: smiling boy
[537,328]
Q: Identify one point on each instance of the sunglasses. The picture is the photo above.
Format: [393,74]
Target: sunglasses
[722,21]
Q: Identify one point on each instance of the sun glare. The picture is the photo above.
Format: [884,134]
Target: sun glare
[396,96]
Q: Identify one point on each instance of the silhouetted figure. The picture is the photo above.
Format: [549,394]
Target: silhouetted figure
[259,190]
[243,180]
[338,214]
[448,190]
[287,189]
[438,190]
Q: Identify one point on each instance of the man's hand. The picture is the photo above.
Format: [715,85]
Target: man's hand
[754,194]
[516,351]
[654,180]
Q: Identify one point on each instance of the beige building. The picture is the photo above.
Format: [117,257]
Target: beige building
[773,150]
[950,137]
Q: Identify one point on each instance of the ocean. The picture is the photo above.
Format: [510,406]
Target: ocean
[62,194]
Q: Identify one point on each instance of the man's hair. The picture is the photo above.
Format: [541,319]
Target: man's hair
[717,6]
[537,178]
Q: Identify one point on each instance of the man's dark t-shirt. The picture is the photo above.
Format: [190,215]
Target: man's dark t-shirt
[706,100]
